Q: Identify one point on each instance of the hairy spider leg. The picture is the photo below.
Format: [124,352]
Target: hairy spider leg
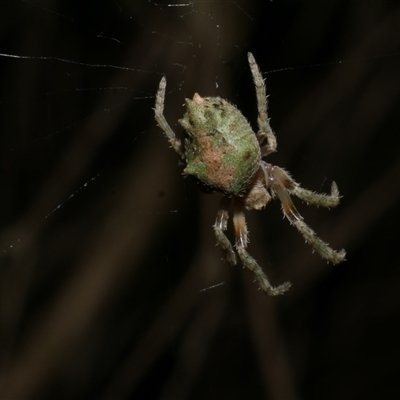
[319,199]
[280,183]
[242,238]
[265,132]
[162,122]
[220,226]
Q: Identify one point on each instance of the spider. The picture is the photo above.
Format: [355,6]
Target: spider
[221,151]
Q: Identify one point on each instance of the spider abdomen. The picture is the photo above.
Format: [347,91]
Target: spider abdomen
[221,149]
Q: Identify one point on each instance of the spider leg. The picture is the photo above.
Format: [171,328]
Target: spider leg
[281,184]
[319,199]
[264,129]
[308,196]
[242,238]
[162,122]
[220,226]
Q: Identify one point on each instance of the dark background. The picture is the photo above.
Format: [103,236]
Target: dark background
[111,286]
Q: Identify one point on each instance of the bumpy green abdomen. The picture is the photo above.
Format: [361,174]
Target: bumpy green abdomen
[221,149]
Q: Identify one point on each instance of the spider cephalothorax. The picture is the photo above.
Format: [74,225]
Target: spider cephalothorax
[222,151]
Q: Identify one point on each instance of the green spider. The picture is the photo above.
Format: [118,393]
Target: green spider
[221,150]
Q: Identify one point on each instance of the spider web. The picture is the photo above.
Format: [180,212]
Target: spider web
[103,237]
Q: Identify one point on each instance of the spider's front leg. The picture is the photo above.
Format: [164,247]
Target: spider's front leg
[282,184]
[162,122]
[319,199]
[220,226]
[242,238]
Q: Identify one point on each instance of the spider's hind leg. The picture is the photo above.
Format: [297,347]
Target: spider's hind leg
[248,261]
[162,122]
[265,135]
